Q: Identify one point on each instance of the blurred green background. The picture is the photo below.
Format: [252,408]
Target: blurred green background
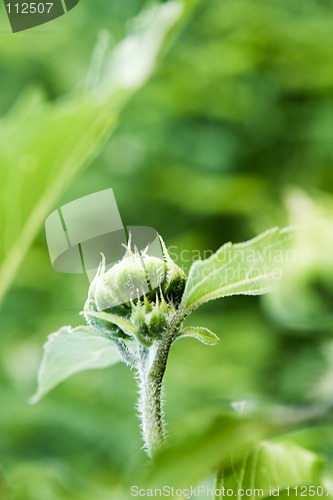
[231,135]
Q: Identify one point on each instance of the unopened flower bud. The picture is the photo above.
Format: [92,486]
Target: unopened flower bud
[141,288]
[135,276]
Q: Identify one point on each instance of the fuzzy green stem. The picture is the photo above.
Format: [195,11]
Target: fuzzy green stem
[151,413]
[150,405]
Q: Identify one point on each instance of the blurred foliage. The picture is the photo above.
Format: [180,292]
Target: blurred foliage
[276,465]
[239,112]
[50,143]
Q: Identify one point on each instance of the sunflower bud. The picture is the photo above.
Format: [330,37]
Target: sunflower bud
[142,288]
[133,277]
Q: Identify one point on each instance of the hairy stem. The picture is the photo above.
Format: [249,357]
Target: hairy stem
[151,412]
[150,405]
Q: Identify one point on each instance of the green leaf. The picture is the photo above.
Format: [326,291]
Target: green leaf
[43,146]
[271,466]
[124,324]
[197,332]
[71,350]
[237,269]
[201,443]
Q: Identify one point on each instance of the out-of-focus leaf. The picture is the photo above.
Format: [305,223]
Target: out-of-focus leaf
[200,333]
[303,298]
[71,350]
[133,59]
[3,486]
[52,480]
[44,145]
[200,448]
[247,268]
[273,465]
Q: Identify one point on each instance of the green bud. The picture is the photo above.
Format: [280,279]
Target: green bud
[143,289]
[157,319]
[138,318]
[155,271]
[135,276]
[127,280]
